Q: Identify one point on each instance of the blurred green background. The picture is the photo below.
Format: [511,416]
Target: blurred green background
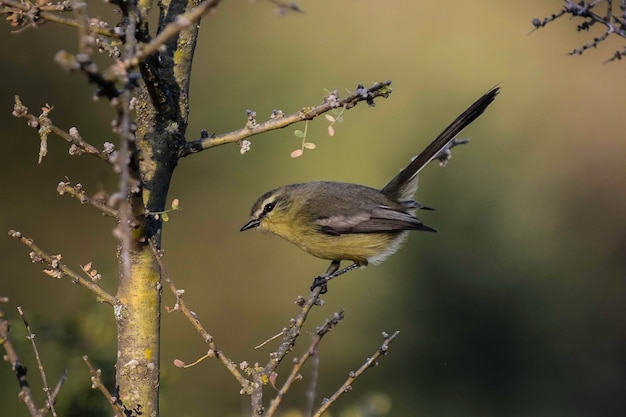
[516,306]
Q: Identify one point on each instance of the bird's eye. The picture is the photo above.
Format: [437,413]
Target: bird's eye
[268,207]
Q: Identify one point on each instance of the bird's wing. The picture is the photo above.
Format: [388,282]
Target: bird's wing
[380,219]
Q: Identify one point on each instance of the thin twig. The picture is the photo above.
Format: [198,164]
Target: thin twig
[312,390]
[184,365]
[181,305]
[614,24]
[379,89]
[310,352]
[276,336]
[43,15]
[44,125]
[293,331]
[77,192]
[42,372]
[25,395]
[347,385]
[59,269]
[96,383]
[106,82]
[286,345]
[55,392]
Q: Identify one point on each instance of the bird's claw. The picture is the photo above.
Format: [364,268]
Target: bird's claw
[322,282]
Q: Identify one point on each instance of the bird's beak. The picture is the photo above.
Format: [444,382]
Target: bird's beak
[251,223]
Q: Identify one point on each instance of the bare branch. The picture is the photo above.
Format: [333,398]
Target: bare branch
[55,392]
[379,89]
[44,126]
[20,370]
[96,383]
[292,333]
[42,372]
[311,391]
[107,81]
[36,15]
[77,192]
[286,345]
[347,385]
[583,10]
[181,305]
[299,362]
[58,270]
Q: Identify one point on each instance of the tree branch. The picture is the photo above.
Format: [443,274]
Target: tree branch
[42,372]
[37,15]
[379,89]
[77,192]
[55,392]
[20,370]
[293,331]
[181,305]
[311,351]
[96,383]
[59,270]
[353,375]
[43,125]
[265,374]
[614,24]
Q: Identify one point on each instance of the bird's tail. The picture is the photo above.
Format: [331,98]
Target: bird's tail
[403,186]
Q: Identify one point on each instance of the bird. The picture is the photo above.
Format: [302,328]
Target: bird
[340,221]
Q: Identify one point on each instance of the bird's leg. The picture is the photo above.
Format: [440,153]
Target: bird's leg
[321,280]
[333,271]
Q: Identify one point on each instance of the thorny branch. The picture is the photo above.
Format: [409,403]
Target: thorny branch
[378,89]
[58,269]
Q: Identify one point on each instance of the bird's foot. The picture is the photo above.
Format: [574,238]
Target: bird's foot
[322,282]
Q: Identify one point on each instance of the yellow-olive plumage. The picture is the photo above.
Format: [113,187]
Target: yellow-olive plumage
[341,221]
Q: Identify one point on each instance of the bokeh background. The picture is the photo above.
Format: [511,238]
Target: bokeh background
[516,306]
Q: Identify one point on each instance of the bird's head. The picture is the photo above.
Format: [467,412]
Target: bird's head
[274,211]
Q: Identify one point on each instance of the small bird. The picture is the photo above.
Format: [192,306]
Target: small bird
[349,222]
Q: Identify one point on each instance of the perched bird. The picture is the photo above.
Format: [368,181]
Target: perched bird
[342,221]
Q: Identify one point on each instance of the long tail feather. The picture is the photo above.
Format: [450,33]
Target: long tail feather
[399,188]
